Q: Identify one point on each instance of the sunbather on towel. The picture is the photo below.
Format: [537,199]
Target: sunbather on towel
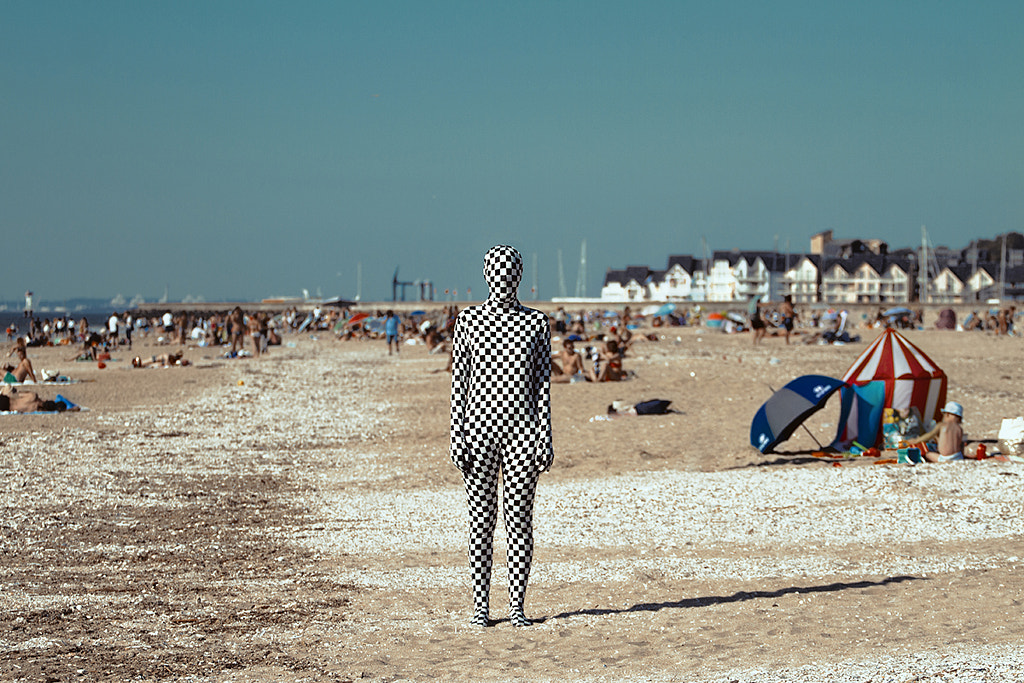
[12,400]
[163,360]
[568,365]
[23,370]
[611,363]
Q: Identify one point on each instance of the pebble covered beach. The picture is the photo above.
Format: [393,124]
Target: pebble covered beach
[295,517]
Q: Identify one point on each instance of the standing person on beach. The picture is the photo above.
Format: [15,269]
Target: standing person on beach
[236,328]
[129,324]
[256,332]
[789,315]
[757,323]
[501,422]
[391,331]
[113,322]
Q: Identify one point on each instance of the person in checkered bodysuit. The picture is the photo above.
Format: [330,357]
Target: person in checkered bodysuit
[501,422]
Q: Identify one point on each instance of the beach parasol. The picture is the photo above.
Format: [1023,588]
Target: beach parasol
[899,310]
[357,318]
[787,409]
[418,312]
[666,309]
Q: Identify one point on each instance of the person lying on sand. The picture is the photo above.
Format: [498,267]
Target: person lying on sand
[164,360]
[12,400]
[567,365]
[23,370]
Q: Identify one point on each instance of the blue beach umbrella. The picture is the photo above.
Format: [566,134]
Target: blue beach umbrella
[788,407]
[666,309]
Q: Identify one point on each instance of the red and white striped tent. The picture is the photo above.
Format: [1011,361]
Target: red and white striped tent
[911,378]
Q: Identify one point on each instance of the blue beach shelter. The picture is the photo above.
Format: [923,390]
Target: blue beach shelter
[860,415]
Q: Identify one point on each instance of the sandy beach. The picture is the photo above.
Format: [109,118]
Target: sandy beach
[296,518]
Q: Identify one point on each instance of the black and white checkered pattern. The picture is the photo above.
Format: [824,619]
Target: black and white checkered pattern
[501,422]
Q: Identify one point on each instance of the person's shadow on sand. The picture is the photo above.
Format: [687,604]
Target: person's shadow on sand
[735,597]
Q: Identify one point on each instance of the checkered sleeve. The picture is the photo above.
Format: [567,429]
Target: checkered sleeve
[542,389]
[461,371]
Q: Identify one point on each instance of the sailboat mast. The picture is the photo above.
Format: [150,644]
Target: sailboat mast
[1002,272]
[923,273]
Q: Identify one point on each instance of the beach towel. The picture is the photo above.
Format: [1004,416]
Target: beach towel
[43,412]
[43,382]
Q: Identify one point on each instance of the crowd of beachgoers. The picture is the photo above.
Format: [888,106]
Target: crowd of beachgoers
[603,336]
[588,345]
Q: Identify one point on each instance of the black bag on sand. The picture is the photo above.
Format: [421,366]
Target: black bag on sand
[655,406]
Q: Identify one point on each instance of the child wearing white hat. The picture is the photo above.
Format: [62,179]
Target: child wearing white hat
[950,441]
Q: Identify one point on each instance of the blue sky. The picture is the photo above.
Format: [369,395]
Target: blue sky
[252,149]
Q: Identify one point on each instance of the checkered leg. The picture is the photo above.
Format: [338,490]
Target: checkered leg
[520,484]
[482,494]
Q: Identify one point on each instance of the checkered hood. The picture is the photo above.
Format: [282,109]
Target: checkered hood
[503,271]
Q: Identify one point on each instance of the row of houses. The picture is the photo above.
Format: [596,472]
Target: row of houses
[866,275]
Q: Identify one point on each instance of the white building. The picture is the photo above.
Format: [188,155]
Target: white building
[676,282]
[867,279]
[802,281]
[738,276]
[682,280]
[983,283]
[948,287]
[628,285]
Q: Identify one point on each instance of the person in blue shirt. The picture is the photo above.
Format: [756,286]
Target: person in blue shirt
[391,331]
